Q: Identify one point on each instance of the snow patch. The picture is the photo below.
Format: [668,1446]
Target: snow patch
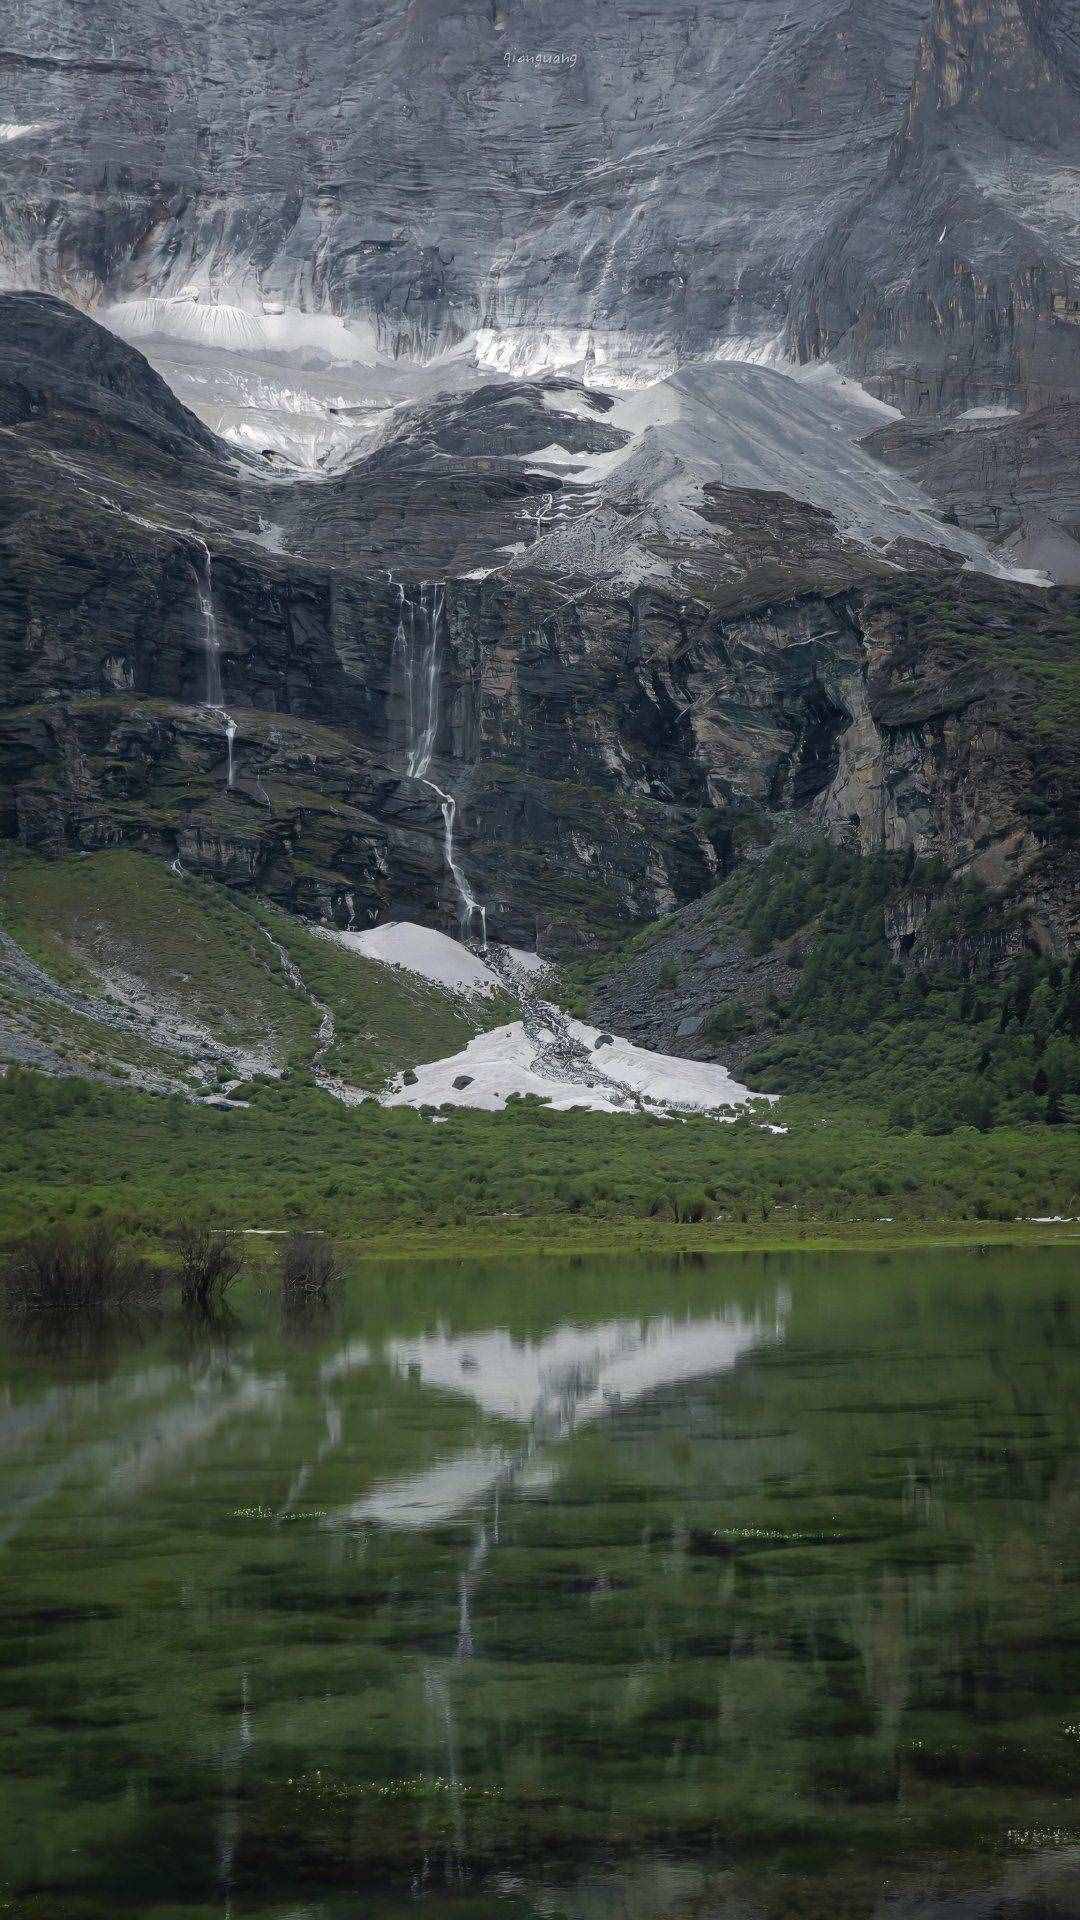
[990,413]
[242,329]
[741,420]
[23,130]
[821,376]
[424,951]
[510,1061]
[609,358]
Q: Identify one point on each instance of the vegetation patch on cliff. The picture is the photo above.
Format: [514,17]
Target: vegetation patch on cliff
[882,981]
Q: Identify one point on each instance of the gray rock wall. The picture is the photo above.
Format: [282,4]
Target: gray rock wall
[887,181]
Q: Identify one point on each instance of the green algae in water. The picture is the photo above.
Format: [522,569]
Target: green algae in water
[743,1587]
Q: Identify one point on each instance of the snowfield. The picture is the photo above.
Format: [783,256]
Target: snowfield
[546,1054]
[510,1062]
[423,951]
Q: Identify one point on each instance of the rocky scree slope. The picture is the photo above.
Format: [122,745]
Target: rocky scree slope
[614,743]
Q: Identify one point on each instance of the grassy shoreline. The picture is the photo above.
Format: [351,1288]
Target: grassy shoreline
[557,1236]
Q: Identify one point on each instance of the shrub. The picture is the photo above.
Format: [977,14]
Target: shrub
[728,1021]
[68,1273]
[209,1263]
[309,1272]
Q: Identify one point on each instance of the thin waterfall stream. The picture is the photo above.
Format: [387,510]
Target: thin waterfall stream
[417,659]
[211,640]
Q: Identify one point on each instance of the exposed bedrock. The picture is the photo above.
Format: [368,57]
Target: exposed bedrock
[174,678]
[1014,479]
[893,184]
[609,760]
[955,282]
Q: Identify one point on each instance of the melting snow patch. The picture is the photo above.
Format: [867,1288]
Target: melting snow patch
[510,1062]
[990,413]
[424,951]
[241,329]
[15,130]
[532,965]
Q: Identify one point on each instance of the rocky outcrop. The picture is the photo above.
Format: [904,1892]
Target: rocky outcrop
[953,284]
[1014,478]
[613,746]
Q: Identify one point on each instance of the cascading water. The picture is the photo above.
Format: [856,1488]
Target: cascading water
[211,642]
[215,695]
[417,661]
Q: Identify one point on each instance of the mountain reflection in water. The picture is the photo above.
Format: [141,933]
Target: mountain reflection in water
[734,1589]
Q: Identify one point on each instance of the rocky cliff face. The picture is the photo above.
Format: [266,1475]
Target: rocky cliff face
[223,667]
[892,184]
[954,283]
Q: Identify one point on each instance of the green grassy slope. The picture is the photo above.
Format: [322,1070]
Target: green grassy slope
[120,923]
[870,1135]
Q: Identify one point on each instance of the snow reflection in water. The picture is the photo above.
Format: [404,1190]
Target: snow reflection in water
[551,1387]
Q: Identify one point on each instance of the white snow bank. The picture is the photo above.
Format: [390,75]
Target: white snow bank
[990,413]
[424,951]
[822,376]
[744,419]
[15,130]
[532,965]
[507,1062]
[436,957]
[609,358]
[242,329]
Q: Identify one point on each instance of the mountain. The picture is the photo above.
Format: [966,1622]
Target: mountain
[478,465]
[885,181]
[638,657]
[296,209]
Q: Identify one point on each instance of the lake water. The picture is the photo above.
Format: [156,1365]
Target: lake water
[735,1589]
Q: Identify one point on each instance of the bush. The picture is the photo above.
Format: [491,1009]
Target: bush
[728,1021]
[209,1263]
[309,1272]
[77,1274]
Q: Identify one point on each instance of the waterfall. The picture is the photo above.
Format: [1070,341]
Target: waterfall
[211,640]
[416,658]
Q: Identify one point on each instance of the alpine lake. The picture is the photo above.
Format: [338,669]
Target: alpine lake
[734,1588]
